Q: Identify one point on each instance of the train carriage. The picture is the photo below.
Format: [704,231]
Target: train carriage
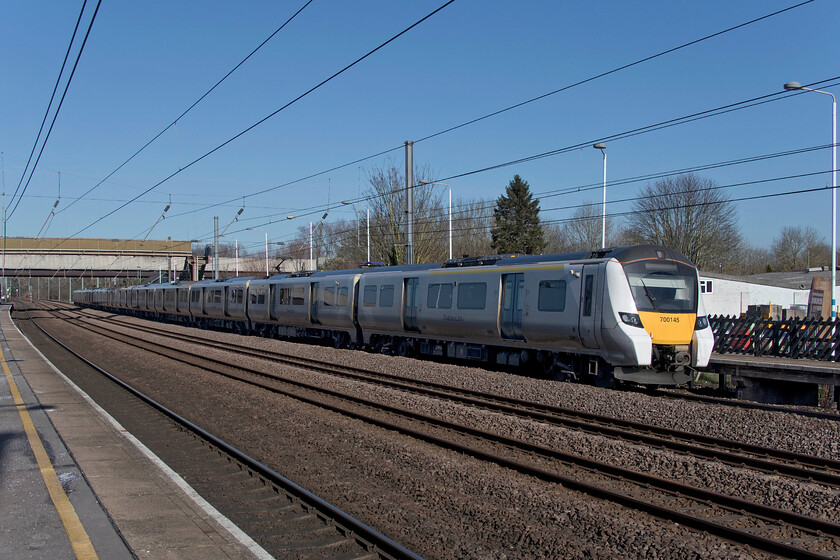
[626,313]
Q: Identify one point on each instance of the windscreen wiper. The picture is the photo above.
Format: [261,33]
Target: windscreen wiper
[649,295]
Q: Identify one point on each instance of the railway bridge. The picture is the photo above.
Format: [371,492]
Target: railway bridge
[43,268]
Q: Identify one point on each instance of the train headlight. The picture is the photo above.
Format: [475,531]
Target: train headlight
[631,319]
[702,323]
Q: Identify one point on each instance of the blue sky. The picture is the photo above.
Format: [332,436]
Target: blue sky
[146,62]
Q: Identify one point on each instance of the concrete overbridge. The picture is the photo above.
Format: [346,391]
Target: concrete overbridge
[38,266]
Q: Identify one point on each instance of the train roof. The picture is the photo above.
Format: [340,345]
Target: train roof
[621,254]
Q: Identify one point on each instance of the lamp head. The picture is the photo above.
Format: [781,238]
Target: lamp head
[792,86]
[600,146]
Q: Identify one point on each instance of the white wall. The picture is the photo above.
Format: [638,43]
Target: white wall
[729,297]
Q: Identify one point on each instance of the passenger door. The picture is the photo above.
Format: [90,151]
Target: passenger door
[513,297]
[410,286]
[588,304]
[313,303]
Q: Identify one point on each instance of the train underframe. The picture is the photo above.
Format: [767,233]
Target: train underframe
[669,367]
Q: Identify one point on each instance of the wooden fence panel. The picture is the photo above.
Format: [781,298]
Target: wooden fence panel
[793,338]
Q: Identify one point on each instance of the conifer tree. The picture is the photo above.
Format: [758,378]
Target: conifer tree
[516,227]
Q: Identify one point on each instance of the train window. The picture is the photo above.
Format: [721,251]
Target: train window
[552,296]
[657,286]
[386,296]
[472,295]
[297,295]
[182,296]
[329,296]
[369,296]
[214,296]
[257,296]
[170,296]
[439,296]
[341,299]
[284,296]
[587,295]
[195,296]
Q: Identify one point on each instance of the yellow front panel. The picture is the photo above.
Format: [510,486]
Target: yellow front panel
[668,328]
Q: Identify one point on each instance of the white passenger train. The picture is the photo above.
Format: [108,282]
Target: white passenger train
[626,313]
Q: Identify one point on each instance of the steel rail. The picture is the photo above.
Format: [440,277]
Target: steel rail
[725,450]
[365,535]
[808,525]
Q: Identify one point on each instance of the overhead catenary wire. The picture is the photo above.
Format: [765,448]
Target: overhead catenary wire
[191,107]
[264,119]
[515,106]
[534,99]
[52,98]
[376,226]
[692,117]
[57,110]
[267,117]
[614,70]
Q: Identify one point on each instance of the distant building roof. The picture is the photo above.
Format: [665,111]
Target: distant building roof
[793,280]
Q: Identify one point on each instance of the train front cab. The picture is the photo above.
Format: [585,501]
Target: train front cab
[664,290]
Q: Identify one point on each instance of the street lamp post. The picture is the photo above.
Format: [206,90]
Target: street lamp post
[367,208]
[793,86]
[266,247]
[603,147]
[311,254]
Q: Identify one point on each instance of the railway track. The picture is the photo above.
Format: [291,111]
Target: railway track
[772,529]
[284,518]
[765,459]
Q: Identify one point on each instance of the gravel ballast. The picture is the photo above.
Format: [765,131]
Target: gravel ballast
[445,505]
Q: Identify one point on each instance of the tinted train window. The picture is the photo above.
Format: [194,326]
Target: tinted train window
[329,296]
[439,296]
[195,296]
[297,295]
[386,296]
[472,295]
[369,297]
[257,297]
[587,295]
[341,298]
[170,296]
[284,296]
[552,295]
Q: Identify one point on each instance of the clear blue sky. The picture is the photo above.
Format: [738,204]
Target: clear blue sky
[145,62]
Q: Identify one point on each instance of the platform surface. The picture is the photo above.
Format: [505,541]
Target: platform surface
[73,484]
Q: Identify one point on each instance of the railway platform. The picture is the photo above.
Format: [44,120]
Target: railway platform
[74,484]
[779,380]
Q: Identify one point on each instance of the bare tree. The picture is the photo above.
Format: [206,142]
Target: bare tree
[797,248]
[688,214]
[387,199]
[471,228]
[747,260]
[582,232]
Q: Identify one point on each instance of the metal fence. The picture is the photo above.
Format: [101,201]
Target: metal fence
[811,339]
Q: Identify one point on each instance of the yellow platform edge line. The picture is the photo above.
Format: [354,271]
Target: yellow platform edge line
[79,539]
